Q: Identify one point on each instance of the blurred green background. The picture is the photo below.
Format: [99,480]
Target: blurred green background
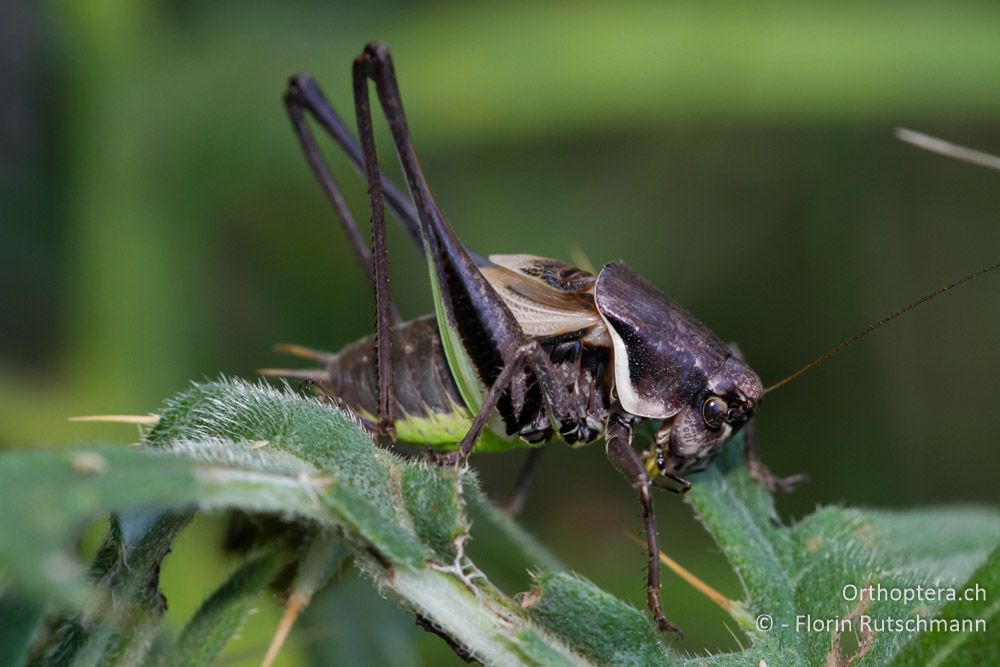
[158,225]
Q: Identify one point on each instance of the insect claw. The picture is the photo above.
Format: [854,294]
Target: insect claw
[667,626]
[387,429]
[788,484]
[449,459]
[661,620]
[772,482]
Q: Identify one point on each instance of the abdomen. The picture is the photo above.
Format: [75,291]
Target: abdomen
[428,407]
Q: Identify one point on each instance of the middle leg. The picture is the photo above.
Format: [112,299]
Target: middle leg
[516,501]
[760,472]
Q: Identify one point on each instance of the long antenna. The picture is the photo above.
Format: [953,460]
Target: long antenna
[875,325]
[948,149]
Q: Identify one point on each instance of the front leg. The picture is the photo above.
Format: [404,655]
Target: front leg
[761,472]
[515,503]
[755,466]
[618,440]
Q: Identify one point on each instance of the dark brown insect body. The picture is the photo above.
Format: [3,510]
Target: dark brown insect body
[429,406]
[520,348]
[610,337]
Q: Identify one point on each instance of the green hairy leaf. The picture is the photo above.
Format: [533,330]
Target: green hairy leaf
[272,453]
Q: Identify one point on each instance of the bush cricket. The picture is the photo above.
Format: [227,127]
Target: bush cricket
[523,349]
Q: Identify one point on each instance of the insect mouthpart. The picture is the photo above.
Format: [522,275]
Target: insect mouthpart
[739,414]
[732,410]
[698,431]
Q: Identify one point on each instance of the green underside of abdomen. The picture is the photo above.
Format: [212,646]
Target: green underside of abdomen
[444,431]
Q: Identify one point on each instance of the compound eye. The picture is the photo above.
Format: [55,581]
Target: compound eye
[713,411]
